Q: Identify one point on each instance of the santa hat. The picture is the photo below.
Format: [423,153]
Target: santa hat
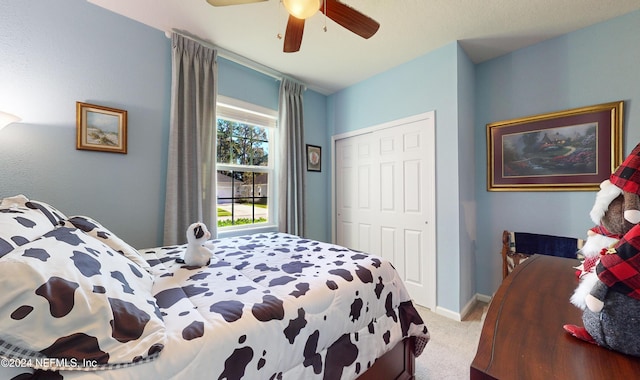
[619,268]
[627,175]
[607,193]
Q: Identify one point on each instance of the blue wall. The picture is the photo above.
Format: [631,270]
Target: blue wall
[466,151]
[317,184]
[598,64]
[57,53]
[421,85]
[590,66]
[242,83]
[239,82]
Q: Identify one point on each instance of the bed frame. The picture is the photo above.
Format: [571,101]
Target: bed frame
[397,364]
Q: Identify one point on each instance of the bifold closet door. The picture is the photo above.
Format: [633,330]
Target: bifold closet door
[384,189]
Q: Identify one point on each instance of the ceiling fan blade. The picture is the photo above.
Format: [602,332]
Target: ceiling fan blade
[221,3]
[349,18]
[293,35]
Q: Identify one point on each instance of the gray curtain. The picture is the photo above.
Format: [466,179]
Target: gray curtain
[190,190]
[291,160]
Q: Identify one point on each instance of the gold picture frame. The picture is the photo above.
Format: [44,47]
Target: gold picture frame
[101,128]
[571,150]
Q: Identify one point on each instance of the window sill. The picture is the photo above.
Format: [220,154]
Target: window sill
[239,231]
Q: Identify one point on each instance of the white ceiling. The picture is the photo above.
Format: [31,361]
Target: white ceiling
[335,59]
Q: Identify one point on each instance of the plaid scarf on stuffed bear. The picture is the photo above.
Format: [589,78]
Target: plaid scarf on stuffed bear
[619,269]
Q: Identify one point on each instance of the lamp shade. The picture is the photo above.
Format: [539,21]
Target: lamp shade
[7,118]
[301,9]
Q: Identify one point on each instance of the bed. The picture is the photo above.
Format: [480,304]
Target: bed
[80,303]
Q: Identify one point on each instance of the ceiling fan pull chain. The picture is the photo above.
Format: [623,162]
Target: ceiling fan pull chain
[279,35]
[324,28]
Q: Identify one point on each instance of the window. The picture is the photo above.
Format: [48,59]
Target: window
[245,168]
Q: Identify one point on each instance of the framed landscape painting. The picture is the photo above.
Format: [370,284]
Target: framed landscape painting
[101,128]
[569,150]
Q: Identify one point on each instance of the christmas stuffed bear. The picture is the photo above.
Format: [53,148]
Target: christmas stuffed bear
[608,215]
[612,316]
[615,211]
[609,290]
[610,224]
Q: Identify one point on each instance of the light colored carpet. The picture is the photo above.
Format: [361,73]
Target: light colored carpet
[452,347]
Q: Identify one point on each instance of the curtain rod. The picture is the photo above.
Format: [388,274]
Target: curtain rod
[237,58]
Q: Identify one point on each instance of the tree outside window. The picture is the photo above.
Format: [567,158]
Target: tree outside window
[243,171]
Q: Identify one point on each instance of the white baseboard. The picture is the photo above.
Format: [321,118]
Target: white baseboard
[465,310]
[448,313]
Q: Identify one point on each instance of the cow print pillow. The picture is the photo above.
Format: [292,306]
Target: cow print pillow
[70,302]
[22,221]
[98,231]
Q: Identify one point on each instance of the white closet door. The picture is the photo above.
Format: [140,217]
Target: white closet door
[353,189]
[385,199]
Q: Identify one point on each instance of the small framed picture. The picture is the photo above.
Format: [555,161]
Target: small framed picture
[314,158]
[101,128]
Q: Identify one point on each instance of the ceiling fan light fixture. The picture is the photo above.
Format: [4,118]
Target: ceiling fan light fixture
[301,9]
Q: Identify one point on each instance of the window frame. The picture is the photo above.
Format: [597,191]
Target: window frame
[240,111]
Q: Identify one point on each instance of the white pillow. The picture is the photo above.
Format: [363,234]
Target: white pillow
[94,228]
[22,221]
[69,296]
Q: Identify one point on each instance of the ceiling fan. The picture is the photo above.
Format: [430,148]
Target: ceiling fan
[299,10]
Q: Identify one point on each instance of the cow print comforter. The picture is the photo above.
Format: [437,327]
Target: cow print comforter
[272,306]
[268,306]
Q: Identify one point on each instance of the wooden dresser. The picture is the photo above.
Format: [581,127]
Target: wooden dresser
[522,337]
